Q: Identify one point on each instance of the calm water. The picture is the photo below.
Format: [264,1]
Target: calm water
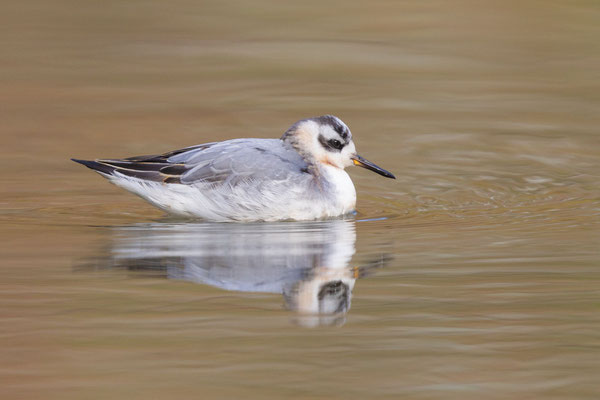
[476,274]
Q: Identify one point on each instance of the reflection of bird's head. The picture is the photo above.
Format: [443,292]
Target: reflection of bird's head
[326,288]
[325,291]
[334,297]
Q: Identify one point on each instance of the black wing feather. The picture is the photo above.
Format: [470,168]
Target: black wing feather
[155,168]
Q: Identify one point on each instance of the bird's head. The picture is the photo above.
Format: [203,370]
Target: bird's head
[328,141]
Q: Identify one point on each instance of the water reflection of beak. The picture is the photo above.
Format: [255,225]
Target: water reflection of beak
[362,162]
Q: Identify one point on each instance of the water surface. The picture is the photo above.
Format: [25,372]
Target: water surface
[474,275]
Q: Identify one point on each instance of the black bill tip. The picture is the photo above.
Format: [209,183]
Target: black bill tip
[361,162]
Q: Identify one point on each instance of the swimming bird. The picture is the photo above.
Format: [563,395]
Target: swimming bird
[297,177]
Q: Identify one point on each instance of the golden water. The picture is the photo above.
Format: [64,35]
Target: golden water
[476,274]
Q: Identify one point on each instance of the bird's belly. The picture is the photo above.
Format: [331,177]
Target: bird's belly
[302,200]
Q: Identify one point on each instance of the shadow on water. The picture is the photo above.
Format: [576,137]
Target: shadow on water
[307,262]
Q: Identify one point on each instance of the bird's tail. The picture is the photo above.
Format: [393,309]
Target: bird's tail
[104,169]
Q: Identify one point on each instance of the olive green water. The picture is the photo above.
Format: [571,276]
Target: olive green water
[476,274]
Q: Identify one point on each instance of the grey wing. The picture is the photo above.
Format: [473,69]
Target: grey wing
[241,161]
[230,162]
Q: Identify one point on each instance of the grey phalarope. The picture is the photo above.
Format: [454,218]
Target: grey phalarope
[298,177]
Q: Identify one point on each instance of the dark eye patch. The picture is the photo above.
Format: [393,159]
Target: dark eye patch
[331,144]
[336,144]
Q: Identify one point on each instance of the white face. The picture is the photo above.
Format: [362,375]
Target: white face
[328,140]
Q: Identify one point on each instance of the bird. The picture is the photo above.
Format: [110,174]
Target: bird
[299,177]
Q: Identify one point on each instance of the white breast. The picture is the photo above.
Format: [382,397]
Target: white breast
[342,189]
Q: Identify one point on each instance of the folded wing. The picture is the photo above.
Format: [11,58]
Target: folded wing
[231,162]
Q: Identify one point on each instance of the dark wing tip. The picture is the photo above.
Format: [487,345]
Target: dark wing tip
[146,170]
[84,162]
[96,166]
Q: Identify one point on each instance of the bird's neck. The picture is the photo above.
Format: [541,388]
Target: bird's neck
[311,162]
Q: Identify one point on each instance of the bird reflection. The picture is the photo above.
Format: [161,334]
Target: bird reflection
[307,262]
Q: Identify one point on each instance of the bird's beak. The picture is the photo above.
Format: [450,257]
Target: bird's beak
[361,162]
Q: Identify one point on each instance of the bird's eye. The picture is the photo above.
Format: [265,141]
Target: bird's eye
[336,144]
